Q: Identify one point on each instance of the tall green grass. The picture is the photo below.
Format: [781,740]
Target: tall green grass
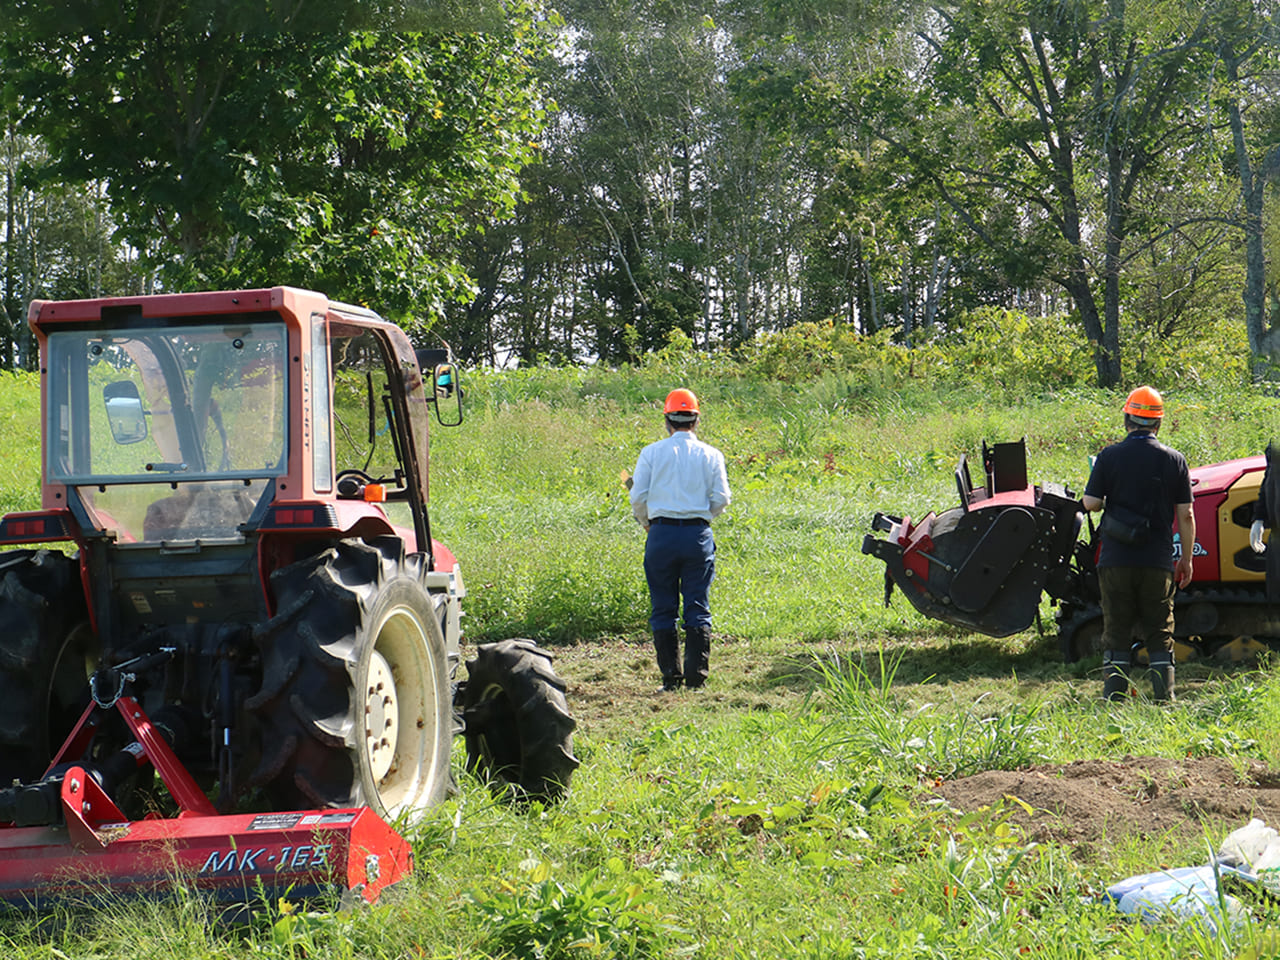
[707,826]
[19,441]
[527,492]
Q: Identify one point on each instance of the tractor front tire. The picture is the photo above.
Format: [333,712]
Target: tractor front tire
[46,646]
[355,707]
[517,725]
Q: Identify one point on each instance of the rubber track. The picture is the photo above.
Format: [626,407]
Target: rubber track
[1246,606]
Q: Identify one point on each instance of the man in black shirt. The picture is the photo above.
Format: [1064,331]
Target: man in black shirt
[1145,486]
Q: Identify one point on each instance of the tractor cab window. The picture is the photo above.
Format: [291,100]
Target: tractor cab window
[366,432]
[369,425]
[168,412]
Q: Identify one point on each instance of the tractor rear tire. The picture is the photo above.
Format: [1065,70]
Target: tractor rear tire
[46,646]
[518,729]
[355,707]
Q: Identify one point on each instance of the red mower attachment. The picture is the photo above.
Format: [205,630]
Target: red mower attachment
[983,565]
[69,842]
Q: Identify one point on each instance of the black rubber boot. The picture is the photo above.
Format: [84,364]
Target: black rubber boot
[1161,672]
[697,655]
[667,647]
[1115,676]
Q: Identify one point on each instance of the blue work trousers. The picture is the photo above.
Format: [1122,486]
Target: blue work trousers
[679,561]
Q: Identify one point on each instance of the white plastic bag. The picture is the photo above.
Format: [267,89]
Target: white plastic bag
[1254,846]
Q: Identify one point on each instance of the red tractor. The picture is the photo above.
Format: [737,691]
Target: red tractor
[984,564]
[255,608]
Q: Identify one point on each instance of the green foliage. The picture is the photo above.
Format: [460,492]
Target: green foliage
[996,67]
[589,590]
[367,159]
[1213,350]
[602,915]
[301,933]
[55,240]
[19,441]
[727,171]
[1004,353]
[808,350]
[586,181]
[1009,351]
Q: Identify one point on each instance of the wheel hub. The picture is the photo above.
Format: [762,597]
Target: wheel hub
[381,716]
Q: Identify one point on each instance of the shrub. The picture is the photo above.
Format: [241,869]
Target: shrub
[1014,352]
[1001,349]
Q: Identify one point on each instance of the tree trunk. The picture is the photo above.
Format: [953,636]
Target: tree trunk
[1106,355]
[1252,188]
[1117,222]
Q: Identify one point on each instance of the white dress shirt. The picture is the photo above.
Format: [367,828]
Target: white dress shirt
[679,477]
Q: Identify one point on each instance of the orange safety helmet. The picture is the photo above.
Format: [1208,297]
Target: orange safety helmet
[681,404]
[1145,403]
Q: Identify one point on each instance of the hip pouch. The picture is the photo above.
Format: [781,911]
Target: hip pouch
[1125,526]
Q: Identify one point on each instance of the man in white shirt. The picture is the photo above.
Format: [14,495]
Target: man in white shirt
[678,487]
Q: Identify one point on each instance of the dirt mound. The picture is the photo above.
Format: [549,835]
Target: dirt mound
[1088,803]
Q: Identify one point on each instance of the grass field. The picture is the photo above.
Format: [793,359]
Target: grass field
[786,811]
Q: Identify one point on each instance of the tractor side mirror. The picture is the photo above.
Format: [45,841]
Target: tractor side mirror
[448,394]
[125,415]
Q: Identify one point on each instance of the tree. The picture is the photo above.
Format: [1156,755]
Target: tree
[859,227]
[1248,51]
[55,243]
[239,150]
[1062,109]
[642,98]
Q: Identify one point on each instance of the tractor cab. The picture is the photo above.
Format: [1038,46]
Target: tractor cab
[182,419]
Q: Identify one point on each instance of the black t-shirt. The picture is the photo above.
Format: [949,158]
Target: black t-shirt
[1145,477]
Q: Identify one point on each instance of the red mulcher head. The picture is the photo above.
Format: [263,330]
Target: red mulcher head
[68,841]
[982,565]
